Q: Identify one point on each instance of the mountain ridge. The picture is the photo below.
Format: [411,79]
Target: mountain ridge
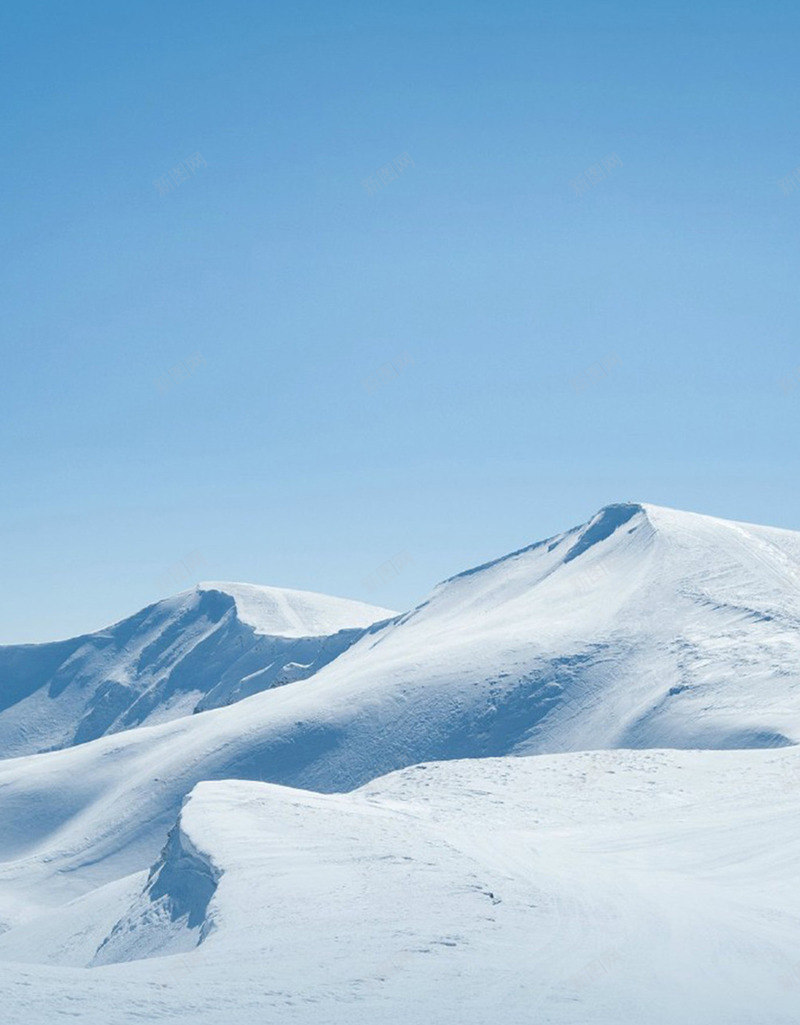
[670,630]
[204,647]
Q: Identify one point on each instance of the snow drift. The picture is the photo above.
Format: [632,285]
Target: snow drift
[610,886]
[646,627]
[605,887]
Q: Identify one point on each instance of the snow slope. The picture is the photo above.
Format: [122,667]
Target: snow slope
[644,628]
[604,887]
[620,885]
[201,649]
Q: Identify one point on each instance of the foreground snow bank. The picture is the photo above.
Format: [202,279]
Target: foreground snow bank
[171,913]
[616,887]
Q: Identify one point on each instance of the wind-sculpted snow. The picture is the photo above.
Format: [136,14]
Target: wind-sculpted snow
[671,629]
[613,887]
[202,649]
[645,628]
[171,913]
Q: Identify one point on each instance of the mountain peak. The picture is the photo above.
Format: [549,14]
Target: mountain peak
[285,612]
[603,525]
[211,645]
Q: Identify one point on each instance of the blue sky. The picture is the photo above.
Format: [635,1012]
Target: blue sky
[198,373]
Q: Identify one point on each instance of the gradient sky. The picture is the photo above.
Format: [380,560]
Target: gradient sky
[196,380]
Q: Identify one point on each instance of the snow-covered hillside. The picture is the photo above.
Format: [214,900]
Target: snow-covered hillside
[575,886]
[604,887]
[644,628]
[202,649]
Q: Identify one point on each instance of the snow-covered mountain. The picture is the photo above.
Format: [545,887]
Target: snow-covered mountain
[201,649]
[527,885]
[611,888]
[643,628]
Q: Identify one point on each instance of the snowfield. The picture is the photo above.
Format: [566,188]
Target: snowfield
[564,788]
[624,886]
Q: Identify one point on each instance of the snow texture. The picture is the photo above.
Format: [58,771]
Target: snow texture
[202,649]
[564,789]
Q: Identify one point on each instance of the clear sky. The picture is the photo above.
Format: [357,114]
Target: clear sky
[292,290]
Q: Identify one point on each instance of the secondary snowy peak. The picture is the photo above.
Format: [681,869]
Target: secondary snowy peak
[282,612]
[200,649]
